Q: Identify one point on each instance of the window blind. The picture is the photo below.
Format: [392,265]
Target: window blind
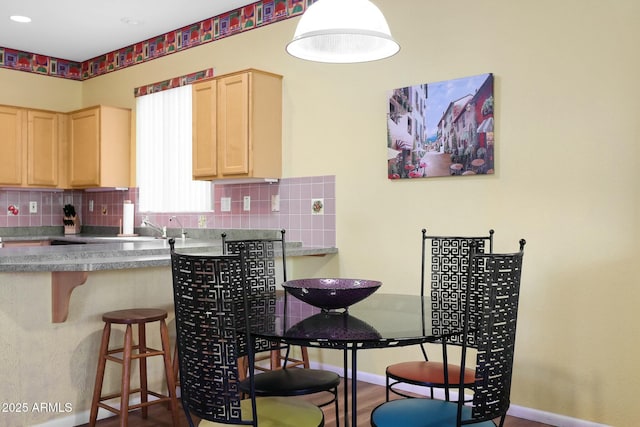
[163,154]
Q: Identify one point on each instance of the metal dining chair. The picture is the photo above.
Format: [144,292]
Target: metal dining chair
[284,376]
[212,316]
[261,253]
[492,292]
[448,263]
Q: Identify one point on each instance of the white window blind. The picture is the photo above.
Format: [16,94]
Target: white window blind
[163,154]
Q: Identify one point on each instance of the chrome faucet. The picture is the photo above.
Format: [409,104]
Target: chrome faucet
[183,233]
[157,229]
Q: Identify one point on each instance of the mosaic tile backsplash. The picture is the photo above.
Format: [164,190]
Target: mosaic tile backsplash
[307,209]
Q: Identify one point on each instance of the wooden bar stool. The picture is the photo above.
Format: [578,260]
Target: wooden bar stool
[275,357]
[139,317]
[276,361]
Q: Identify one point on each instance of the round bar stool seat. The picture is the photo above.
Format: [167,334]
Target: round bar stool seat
[135,315]
[124,355]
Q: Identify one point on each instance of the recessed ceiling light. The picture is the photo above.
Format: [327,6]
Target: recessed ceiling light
[20,18]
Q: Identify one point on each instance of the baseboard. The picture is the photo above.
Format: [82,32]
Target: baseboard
[75,419]
[514,410]
[83,417]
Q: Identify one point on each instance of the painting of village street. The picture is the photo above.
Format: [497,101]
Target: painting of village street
[441,129]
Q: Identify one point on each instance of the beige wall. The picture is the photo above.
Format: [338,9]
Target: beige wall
[34,91]
[567,135]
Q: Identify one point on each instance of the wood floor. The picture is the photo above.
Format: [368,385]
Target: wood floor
[369,396]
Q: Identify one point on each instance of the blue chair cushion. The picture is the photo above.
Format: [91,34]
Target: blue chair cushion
[417,412]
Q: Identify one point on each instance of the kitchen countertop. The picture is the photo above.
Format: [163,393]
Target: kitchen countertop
[113,253]
[70,264]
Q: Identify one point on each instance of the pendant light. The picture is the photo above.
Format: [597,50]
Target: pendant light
[342,31]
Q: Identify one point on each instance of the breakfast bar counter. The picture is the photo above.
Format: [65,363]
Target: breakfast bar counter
[93,253]
[73,256]
[54,290]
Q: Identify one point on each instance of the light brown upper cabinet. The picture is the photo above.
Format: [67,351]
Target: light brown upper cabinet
[11,143]
[237,126]
[42,148]
[29,148]
[99,147]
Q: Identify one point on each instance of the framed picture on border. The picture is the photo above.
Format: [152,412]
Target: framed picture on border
[441,129]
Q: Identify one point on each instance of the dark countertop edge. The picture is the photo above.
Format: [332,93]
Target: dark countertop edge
[130,262]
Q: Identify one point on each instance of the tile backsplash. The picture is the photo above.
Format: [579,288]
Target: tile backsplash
[305,207]
[14,207]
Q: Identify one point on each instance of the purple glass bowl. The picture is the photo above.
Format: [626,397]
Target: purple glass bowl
[331,294]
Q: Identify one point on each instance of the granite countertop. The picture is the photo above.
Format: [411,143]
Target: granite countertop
[101,252]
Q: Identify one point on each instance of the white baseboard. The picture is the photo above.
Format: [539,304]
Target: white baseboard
[75,419]
[515,410]
[83,417]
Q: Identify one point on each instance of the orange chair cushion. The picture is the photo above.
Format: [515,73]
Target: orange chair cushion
[423,372]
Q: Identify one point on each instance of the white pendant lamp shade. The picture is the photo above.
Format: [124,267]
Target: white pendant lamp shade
[342,31]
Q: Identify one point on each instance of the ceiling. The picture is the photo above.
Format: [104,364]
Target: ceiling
[79,30]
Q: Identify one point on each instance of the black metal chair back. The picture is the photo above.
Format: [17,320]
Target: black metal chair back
[261,280]
[494,291]
[490,318]
[212,334]
[449,265]
[261,275]
[445,266]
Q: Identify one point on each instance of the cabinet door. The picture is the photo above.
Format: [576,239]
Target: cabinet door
[204,150]
[84,148]
[42,148]
[233,124]
[11,144]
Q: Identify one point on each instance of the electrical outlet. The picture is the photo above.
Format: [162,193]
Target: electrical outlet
[33,207]
[225,204]
[275,203]
[90,205]
[246,200]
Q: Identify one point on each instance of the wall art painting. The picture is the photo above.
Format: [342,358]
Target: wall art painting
[441,129]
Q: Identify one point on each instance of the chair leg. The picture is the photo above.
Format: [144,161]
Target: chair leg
[243,368]
[170,372]
[126,371]
[286,360]
[142,349]
[102,361]
[305,357]
[386,389]
[176,367]
[275,359]
[335,402]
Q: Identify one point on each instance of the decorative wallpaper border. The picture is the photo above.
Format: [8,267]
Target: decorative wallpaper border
[39,64]
[255,15]
[173,83]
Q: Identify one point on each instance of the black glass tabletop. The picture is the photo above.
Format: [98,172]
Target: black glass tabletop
[381,320]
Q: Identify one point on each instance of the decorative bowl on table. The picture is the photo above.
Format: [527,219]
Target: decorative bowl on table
[331,294]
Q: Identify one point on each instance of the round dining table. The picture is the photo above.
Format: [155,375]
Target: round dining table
[379,321]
